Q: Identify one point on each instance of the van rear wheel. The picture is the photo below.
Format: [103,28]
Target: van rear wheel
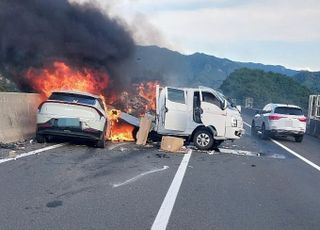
[203,139]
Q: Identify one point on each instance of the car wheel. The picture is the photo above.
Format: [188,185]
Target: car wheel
[203,139]
[253,129]
[298,138]
[40,138]
[264,133]
[102,142]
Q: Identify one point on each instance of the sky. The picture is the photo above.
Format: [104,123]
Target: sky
[283,32]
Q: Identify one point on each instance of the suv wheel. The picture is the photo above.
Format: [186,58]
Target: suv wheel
[102,142]
[40,138]
[253,129]
[203,139]
[298,138]
[264,132]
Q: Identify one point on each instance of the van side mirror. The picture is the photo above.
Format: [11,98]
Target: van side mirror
[238,108]
[224,104]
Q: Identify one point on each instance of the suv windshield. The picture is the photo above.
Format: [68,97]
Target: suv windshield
[288,111]
[74,98]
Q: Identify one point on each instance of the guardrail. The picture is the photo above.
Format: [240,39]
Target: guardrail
[17,116]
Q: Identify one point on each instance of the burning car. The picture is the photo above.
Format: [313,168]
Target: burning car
[72,114]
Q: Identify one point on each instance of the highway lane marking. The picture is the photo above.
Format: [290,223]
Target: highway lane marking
[292,152]
[164,213]
[139,176]
[32,153]
[116,145]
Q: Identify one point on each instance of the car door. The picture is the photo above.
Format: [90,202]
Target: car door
[212,114]
[260,117]
[176,116]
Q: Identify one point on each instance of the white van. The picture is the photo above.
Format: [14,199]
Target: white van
[203,115]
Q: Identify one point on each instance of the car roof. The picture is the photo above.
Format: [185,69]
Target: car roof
[274,105]
[76,92]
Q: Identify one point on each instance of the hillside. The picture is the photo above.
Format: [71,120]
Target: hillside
[265,87]
[6,85]
[154,63]
[309,79]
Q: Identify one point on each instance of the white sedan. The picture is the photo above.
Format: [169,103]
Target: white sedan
[74,115]
[280,120]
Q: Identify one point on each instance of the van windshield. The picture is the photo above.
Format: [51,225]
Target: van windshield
[74,98]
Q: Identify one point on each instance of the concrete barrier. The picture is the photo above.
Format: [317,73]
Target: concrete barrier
[18,115]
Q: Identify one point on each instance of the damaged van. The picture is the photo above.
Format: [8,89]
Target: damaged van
[201,115]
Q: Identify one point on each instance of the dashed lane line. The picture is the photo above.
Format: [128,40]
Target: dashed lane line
[292,152]
[32,153]
[139,176]
[164,213]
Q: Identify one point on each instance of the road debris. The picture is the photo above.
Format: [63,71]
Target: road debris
[139,176]
[172,144]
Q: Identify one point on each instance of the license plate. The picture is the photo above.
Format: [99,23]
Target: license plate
[68,122]
[288,123]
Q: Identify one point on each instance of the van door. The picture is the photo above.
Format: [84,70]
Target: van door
[212,114]
[175,109]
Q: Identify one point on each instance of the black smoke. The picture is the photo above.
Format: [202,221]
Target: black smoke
[34,33]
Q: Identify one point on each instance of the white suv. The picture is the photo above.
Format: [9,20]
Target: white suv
[280,120]
[72,114]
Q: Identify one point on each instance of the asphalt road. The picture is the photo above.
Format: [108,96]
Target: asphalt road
[124,186]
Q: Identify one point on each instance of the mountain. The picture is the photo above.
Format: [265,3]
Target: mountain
[155,63]
[6,85]
[309,79]
[265,87]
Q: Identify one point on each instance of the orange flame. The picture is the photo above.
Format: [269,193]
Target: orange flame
[119,131]
[62,77]
[148,92]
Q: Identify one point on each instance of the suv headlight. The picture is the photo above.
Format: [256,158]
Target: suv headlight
[234,122]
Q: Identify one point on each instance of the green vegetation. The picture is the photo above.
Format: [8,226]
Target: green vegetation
[6,85]
[309,79]
[265,87]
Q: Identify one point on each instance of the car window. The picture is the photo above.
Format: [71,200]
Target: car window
[288,111]
[176,95]
[266,109]
[101,103]
[75,98]
[210,98]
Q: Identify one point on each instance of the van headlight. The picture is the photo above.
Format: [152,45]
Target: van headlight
[234,122]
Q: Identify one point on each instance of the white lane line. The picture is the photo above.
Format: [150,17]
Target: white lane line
[116,145]
[32,152]
[293,152]
[164,213]
[140,175]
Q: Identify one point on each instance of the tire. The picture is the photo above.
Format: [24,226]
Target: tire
[298,138]
[253,129]
[203,139]
[102,142]
[264,132]
[40,138]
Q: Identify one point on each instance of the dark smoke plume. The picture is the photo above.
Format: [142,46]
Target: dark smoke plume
[34,33]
